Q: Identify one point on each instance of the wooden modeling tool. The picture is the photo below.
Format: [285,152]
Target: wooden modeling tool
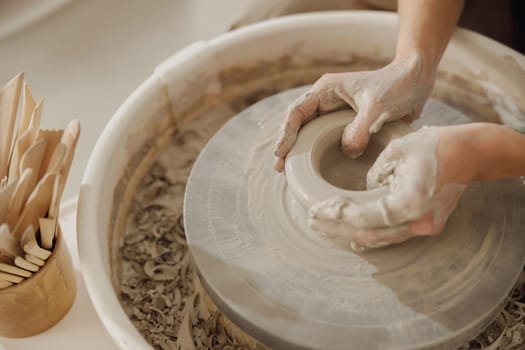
[5,284]
[54,207]
[5,197]
[8,268]
[30,244]
[9,96]
[57,159]
[70,139]
[28,106]
[47,232]
[34,260]
[53,140]
[9,246]
[25,141]
[34,124]
[37,205]
[32,158]
[11,278]
[20,144]
[48,224]
[21,194]
[26,265]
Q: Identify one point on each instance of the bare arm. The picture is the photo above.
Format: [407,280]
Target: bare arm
[481,152]
[397,91]
[425,27]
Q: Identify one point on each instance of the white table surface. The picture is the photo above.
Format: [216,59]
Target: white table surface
[85,58]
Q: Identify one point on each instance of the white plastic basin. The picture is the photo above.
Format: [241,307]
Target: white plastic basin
[207,70]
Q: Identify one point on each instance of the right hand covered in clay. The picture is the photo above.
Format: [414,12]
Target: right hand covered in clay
[398,90]
[425,172]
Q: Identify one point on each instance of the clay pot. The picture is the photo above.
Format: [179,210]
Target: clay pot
[317,169]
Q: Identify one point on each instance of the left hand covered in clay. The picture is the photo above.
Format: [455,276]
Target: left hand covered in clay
[397,91]
[425,174]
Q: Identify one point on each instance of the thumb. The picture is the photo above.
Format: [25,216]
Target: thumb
[357,134]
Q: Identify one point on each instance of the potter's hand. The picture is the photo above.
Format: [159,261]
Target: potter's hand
[398,90]
[425,175]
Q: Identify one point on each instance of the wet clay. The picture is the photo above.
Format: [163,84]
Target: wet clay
[335,166]
[317,171]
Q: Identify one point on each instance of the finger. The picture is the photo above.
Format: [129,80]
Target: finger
[383,236]
[326,218]
[387,210]
[332,229]
[425,226]
[433,222]
[279,164]
[373,213]
[381,172]
[357,134]
[320,99]
[348,92]
[360,239]
[378,123]
[301,111]
[330,209]
[445,202]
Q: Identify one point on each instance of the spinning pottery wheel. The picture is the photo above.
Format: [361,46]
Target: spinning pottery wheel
[290,288]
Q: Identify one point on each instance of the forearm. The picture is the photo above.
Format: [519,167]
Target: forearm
[501,153]
[485,151]
[425,27]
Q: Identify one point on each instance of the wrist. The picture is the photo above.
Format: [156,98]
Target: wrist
[421,65]
[456,156]
[497,150]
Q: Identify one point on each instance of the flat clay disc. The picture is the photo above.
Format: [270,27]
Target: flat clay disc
[291,289]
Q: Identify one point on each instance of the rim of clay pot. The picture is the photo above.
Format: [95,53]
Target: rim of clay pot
[304,175]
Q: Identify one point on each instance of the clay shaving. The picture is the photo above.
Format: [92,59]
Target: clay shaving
[158,285]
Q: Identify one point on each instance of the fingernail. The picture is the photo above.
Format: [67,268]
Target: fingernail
[356,154]
[352,153]
[278,164]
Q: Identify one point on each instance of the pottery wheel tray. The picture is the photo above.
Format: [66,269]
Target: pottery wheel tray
[291,289]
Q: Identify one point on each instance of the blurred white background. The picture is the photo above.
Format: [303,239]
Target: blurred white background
[87,56]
